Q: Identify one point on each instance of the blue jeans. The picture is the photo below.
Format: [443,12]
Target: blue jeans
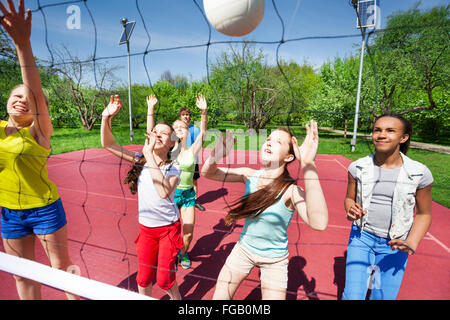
[372,264]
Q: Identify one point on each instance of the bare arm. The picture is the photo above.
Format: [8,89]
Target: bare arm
[202,105]
[352,208]
[18,26]
[210,169]
[107,138]
[151,102]
[310,203]
[421,224]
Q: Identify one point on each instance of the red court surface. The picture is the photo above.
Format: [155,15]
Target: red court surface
[102,222]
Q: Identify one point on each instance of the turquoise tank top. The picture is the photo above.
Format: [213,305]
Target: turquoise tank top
[267,234]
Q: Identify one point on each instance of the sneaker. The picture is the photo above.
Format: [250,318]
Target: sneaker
[199,206]
[185,261]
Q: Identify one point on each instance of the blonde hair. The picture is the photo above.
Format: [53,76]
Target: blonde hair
[184,123]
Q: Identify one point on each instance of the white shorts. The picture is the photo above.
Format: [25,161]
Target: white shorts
[274,271]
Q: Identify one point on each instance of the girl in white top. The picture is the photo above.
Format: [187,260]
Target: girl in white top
[155,178]
[185,193]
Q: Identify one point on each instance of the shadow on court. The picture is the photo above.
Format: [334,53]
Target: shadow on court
[211,255]
[211,196]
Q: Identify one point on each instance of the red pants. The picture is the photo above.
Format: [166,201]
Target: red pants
[157,250]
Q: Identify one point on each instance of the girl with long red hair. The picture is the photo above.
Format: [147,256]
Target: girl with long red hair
[271,197]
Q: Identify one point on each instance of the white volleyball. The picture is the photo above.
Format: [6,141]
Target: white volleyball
[234,18]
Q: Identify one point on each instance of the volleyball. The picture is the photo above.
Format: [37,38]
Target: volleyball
[234,18]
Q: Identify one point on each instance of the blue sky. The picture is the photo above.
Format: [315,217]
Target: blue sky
[174,23]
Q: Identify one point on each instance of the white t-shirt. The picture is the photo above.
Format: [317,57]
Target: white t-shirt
[153,210]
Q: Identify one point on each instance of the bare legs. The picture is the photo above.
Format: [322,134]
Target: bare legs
[55,246]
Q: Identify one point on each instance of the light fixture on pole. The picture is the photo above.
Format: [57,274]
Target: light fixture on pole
[366,17]
[128,27]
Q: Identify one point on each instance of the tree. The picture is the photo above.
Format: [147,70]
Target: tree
[336,92]
[242,78]
[84,85]
[406,70]
[413,54]
[9,69]
[7,50]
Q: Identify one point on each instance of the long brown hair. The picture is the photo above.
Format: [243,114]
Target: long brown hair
[138,164]
[253,204]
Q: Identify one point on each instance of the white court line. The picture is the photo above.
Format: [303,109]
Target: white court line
[74,160]
[438,242]
[97,194]
[340,164]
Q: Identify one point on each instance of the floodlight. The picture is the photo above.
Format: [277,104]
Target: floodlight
[128,27]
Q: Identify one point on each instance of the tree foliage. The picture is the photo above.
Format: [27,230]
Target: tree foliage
[406,71]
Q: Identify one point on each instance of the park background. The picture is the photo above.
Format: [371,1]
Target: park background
[301,62]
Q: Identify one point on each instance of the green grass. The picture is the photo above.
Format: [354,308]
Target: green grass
[67,139]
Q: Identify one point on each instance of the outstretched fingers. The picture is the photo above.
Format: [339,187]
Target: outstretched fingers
[11,6]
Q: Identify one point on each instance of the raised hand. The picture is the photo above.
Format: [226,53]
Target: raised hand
[17,24]
[113,107]
[201,102]
[151,102]
[306,154]
[149,144]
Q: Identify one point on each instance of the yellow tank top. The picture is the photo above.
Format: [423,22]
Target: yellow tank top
[24,182]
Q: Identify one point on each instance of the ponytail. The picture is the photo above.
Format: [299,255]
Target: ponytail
[133,174]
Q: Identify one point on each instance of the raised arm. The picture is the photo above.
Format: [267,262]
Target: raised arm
[18,26]
[202,105]
[210,169]
[309,203]
[106,135]
[151,102]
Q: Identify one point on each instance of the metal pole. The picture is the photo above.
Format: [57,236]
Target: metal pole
[355,125]
[129,92]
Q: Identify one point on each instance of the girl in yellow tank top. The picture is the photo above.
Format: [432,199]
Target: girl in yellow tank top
[30,202]
[23,171]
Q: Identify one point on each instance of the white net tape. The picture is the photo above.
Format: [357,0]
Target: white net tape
[65,281]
